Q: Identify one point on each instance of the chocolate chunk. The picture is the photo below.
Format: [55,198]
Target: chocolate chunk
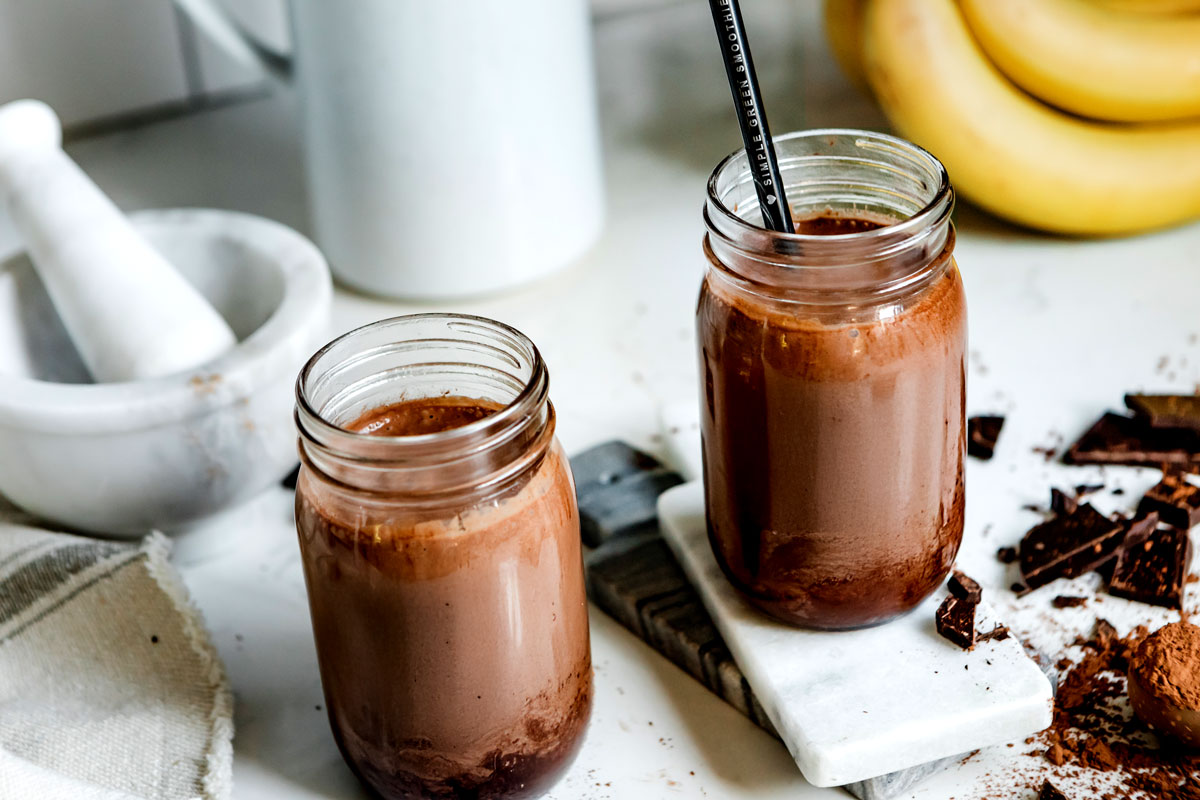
[1152,566]
[1007,555]
[1068,601]
[956,621]
[1116,439]
[1049,792]
[289,480]
[1068,546]
[1176,500]
[1166,410]
[965,588]
[1084,489]
[1062,503]
[982,434]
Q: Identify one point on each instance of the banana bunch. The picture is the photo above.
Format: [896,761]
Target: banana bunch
[1072,116]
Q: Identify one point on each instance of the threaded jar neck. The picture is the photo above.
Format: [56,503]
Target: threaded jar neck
[425,356]
[841,172]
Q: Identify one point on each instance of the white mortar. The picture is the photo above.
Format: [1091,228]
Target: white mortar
[121,458]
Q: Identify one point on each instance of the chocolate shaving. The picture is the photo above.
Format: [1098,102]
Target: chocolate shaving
[998,632]
[1105,636]
[1007,555]
[1068,601]
[1045,451]
[982,435]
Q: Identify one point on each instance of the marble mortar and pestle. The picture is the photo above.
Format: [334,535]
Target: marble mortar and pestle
[147,363]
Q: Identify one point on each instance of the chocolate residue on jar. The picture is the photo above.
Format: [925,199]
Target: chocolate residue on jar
[423,416]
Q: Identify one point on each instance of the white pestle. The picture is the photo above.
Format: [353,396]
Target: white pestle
[128,311]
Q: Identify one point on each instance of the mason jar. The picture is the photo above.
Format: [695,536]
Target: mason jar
[833,371]
[440,540]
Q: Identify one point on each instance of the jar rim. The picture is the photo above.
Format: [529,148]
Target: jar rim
[483,432]
[933,212]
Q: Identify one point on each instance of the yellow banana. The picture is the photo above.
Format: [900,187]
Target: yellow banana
[1011,154]
[1094,61]
[1154,6]
[843,31]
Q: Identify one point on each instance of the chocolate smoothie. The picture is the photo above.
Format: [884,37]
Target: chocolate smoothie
[452,639]
[833,444]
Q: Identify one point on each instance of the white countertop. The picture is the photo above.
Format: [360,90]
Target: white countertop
[1059,330]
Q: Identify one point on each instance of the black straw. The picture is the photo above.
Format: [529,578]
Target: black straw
[752,118]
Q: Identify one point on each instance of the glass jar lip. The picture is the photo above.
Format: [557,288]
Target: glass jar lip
[938,207]
[524,405]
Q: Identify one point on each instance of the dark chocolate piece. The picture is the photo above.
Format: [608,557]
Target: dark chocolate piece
[1007,555]
[1176,500]
[1068,601]
[1166,410]
[1049,792]
[289,480]
[1062,503]
[1117,439]
[982,434]
[956,621]
[963,587]
[1084,489]
[1068,546]
[1152,566]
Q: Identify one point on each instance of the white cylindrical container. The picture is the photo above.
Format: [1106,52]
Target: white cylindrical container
[452,148]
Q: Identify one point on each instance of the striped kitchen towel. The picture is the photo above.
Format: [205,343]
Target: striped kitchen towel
[109,686]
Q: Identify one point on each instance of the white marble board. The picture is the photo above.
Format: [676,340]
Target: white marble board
[851,705]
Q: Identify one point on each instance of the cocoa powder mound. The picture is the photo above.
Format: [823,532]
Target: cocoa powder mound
[1095,731]
[1168,664]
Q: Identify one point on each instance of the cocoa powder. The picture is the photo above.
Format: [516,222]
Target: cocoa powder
[1094,731]
[1168,664]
